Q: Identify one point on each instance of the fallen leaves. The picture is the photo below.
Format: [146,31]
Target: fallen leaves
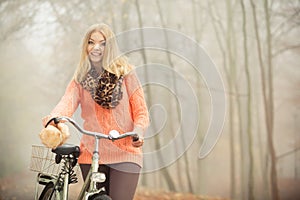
[150,194]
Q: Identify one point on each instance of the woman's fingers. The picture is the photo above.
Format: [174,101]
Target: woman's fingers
[138,143]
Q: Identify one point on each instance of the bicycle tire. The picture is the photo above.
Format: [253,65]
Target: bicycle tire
[100,197]
[48,192]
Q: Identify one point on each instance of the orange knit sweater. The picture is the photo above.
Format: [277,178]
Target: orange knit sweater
[131,114]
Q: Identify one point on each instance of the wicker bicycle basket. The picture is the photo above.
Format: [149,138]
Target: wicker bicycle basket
[43,160]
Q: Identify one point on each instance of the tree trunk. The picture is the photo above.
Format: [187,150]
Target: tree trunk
[164,171]
[267,91]
[231,71]
[263,152]
[226,48]
[174,83]
[270,105]
[249,110]
[199,182]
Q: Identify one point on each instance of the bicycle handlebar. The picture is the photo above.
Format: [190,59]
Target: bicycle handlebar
[113,134]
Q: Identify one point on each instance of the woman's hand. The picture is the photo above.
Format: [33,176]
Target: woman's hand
[139,142]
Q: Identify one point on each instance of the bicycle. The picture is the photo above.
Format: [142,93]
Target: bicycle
[57,185]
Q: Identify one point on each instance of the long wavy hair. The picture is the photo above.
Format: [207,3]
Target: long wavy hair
[112,60]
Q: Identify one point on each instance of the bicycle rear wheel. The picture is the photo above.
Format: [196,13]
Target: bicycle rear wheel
[48,192]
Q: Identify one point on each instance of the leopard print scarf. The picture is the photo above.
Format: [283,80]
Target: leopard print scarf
[105,89]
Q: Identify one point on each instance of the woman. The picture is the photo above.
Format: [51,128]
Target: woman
[111,98]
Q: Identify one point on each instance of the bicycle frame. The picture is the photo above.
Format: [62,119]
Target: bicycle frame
[89,187]
[94,170]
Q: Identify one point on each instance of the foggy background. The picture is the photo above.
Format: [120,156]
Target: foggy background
[254,44]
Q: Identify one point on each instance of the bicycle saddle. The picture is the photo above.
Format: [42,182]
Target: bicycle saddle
[67,149]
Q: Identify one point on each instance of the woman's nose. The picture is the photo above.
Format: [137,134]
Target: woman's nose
[97,46]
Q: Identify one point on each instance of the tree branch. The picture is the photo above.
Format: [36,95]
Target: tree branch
[280,51]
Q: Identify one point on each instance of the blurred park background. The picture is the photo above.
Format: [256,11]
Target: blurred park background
[255,45]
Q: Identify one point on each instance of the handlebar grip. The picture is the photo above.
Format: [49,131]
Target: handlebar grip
[135,138]
[56,121]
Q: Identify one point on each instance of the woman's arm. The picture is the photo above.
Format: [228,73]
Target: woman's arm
[68,103]
[138,104]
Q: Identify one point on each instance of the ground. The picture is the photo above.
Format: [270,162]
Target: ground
[22,186]
[147,194]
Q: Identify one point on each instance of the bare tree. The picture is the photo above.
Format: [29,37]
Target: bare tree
[225,46]
[249,105]
[174,83]
[267,89]
[164,171]
[12,24]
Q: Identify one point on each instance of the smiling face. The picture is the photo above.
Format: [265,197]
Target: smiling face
[95,48]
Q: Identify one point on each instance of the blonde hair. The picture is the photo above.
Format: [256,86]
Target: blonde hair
[112,60]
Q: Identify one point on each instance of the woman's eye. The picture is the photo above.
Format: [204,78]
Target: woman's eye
[90,42]
[103,44]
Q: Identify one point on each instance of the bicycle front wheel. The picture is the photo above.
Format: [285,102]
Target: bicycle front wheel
[48,192]
[100,197]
